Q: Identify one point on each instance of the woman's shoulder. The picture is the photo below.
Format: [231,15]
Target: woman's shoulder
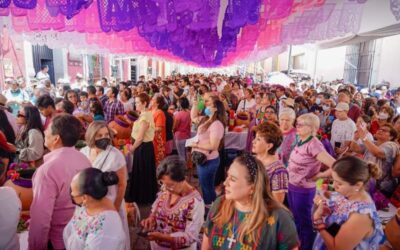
[85,150]
[282,214]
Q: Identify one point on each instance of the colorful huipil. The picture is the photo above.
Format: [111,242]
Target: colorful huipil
[181,220]
[278,231]
[341,209]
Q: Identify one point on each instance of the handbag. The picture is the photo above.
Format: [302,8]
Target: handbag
[198,158]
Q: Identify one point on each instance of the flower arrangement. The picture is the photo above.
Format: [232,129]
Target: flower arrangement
[21,174]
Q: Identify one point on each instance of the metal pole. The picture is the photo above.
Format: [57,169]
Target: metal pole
[290,59]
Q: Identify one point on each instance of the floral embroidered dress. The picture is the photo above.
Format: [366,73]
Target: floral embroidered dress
[182,221]
[160,137]
[278,232]
[100,231]
[341,209]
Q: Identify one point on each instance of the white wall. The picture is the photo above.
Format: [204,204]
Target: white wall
[390,61]
[330,64]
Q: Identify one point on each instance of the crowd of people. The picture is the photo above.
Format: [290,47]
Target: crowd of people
[317,166]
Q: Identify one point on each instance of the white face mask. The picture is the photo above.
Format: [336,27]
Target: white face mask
[325,107]
[383,116]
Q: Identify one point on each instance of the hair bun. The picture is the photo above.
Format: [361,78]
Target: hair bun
[110,178]
[374,171]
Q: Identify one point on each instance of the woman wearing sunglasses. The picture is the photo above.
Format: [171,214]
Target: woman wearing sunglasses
[30,142]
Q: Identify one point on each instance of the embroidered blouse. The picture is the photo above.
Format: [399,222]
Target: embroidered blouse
[182,221]
[278,176]
[278,231]
[100,231]
[341,209]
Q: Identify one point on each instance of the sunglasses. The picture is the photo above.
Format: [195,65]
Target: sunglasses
[20,115]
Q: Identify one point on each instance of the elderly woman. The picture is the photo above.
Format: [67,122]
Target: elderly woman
[287,117]
[142,186]
[178,213]
[304,169]
[106,157]
[383,152]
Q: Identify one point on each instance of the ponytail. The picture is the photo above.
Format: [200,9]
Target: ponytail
[374,171]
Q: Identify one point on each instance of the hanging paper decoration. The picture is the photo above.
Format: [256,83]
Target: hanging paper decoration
[206,33]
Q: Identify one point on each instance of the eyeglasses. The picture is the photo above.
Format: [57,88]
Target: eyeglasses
[300,125]
[384,130]
[170,187]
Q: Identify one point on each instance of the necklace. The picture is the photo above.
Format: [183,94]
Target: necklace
[232,239]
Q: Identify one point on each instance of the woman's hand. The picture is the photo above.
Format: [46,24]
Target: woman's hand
[157,236]
[318,203]
[149,224]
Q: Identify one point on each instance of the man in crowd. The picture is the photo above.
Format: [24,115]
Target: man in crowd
[52,207]
[113,107]
[343,127]
[100,94]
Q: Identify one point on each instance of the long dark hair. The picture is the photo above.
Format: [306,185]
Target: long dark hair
[219,115]
[33,121]
[97,108]
[6,127]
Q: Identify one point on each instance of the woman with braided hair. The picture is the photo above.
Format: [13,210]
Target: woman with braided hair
[247,216]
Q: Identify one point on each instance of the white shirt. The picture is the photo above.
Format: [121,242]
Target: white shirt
[246,105]
[42,76]
[112,159]
[10,209]
[220,87]
[342,131]
[102,231]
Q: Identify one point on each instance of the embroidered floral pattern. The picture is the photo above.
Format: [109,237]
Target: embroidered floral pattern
[85,224]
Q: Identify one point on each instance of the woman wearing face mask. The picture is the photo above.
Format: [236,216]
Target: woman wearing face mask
[347,218]
[210,133]
[96,223]
[327,115]
[106,157]
[385,115]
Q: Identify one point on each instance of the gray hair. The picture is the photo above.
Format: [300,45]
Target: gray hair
[289,112]
[311,120]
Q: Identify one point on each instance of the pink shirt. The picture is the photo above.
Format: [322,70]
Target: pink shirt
[52,207]
[183,122]
[216,130]
[303,163]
